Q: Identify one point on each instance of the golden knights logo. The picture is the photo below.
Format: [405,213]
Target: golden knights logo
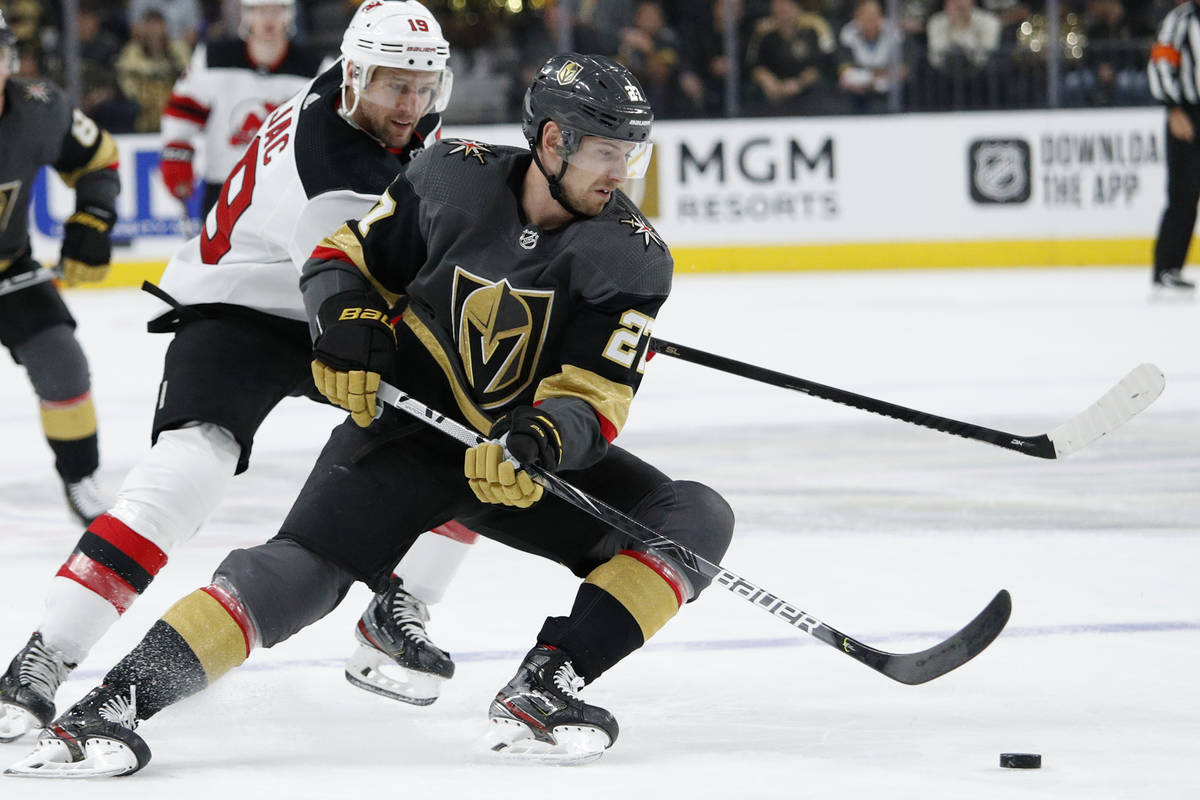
[469,149]
[500,332]
[643,229]
[567,73]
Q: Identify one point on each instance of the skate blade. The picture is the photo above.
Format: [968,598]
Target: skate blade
[574,745]
[103,758]
[15,722]
[373,671]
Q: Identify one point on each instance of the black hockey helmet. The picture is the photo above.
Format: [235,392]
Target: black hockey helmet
[587,96]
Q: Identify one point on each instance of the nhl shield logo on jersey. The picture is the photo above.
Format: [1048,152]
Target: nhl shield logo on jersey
[469,149]
[567,73]
[643,229]
[529,237]
[500,332]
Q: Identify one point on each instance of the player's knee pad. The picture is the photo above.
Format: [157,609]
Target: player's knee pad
[173,490]
[282,586]
[694,516]
[55,362]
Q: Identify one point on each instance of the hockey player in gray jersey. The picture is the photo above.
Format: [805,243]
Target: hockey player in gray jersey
[38,127]
[241,345]
[531,283]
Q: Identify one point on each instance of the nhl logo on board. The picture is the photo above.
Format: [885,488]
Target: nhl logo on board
[999,171]
[529,238]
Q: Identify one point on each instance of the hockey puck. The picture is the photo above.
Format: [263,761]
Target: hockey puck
[1021,760]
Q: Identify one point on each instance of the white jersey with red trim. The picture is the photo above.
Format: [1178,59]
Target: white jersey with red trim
[224,97]
[302,175]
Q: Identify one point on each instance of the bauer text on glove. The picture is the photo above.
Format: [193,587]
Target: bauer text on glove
[355,345]
[86,248]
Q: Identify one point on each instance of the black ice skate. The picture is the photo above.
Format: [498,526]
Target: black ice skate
[27,689]
[85,499]
[1172,280]
[395,657]
[538,716]
[94,739]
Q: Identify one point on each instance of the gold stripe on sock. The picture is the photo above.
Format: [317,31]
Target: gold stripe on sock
[70,420]
[642,591]
[214,635]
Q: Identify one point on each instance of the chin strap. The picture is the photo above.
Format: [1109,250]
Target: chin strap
[555,182]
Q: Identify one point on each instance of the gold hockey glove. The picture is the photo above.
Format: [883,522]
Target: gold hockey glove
[86,249]
[494,479]
[356,344]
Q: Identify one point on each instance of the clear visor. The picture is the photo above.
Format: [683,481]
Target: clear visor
[406,90]
[615,158]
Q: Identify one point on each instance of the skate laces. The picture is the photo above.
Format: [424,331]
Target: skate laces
[121,710]
[86,497]
[43,670]
[410,614]
[567,680]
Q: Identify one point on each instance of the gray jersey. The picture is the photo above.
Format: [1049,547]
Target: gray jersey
[38,127]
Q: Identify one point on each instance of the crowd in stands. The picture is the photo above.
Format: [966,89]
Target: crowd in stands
[791,57]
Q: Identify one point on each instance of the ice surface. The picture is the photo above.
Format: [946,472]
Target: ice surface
[893,533]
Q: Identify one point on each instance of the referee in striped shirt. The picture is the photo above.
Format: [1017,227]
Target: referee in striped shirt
[1174,71]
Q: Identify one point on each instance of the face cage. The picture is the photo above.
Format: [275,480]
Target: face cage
[637,160]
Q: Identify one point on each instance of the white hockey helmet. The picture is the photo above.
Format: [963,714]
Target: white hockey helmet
[401,34]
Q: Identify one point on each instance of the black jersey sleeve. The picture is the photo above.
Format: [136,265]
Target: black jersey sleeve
[384,249]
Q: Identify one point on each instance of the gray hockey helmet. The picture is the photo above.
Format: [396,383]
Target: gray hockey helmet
[586,95]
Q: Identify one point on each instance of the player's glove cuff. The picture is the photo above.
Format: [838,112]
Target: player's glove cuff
[356,345]
[533,437]
[86,249]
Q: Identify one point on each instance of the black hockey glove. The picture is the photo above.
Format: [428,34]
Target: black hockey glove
[533,437]
[357,342]
[86,249]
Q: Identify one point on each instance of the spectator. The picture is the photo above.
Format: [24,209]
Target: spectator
[184,19]
[601,22]
[789,57]
[651,51]
[705,66]
[964,31]
[1111,72]
[870,47]
[102,99]
[148,67]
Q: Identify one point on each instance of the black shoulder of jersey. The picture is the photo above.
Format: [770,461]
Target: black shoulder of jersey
[625,248]
[35,93]
[231,54]
[331,154]
[452,170]
[300,60]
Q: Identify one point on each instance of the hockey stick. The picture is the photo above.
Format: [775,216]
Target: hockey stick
[1118,405]
[26,279]
[910,668]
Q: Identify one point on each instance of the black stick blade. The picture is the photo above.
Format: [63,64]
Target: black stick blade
[973,639]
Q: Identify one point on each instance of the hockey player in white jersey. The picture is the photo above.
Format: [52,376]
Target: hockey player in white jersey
[241,344]
[229,89]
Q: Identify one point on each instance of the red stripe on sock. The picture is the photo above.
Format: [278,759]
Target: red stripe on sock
[457,531]
[235,609]
[68,403]
[664,571]
[100,579]
[145,552]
